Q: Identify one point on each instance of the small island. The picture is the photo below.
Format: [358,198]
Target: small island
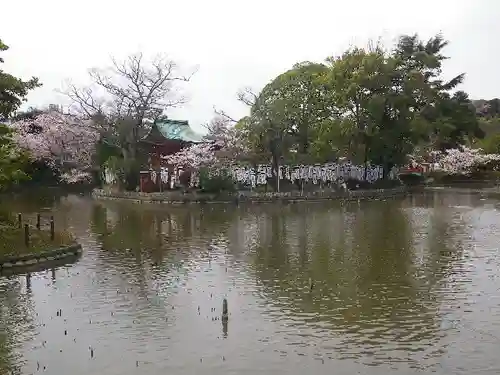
[25,244]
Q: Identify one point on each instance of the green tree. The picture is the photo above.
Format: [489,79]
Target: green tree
[375,106]
[300,93]
[456,121]
[449,119]
[12,161]
[370,104]
[330,139]
[489,123]
[257,152]
[13,90]
[271,137]
[294,102]
[490,143]
[358,85]
[285,113]
[391,101]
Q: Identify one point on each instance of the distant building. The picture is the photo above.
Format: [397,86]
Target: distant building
[166,137]
[55,108]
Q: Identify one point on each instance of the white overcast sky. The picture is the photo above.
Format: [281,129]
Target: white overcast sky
[235,43]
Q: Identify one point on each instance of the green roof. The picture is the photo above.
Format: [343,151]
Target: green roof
[175,130]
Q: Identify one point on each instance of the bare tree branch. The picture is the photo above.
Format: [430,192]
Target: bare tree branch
[86,103]
[146,89]
[125,95]
[247,96]
[218,124]
[222,114]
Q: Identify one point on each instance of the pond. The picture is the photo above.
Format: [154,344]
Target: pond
[400,286]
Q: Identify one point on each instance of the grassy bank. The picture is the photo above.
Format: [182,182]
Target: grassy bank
[13,239]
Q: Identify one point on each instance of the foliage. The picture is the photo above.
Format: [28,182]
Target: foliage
[295,101]
[490,144]
[104,157]
[254,151]
[398,98]
[12,160]
[118,166]
[285,113]
[357,104]
[65,143]
[369,105]
[455,121]
[373,106]
[215,183]
[223,145]
[490,126]
[13,90]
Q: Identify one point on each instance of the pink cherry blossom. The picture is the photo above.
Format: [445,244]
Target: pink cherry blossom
[464,161]
[222,148]
[195,156]
[66,143]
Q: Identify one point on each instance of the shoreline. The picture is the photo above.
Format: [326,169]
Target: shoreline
[463,190]
[40,259]
[241,197]
[178,198]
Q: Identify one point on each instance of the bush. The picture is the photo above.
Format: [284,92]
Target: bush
[412,179]
[6,218]
[216,182]
[442,178]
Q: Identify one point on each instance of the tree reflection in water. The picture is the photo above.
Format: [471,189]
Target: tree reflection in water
[388,279]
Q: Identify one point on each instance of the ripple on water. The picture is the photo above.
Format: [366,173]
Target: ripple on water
[399,287]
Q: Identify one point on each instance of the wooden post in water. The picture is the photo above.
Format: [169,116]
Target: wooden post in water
[225,314]
[28,281]
[52,228]
[26,235]
[19,220]
[38,221]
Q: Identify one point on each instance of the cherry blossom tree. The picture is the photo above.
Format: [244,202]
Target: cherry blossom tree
[464,161]
[195,157]
[64,142]
[224,145]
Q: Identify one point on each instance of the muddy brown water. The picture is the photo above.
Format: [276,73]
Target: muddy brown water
[405,286]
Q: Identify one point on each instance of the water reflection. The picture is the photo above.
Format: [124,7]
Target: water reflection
[16,325]
[365,290]
[399,286]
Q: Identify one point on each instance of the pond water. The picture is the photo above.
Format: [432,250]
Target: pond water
[405,286]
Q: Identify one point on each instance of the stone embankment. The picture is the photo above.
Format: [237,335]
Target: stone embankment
[39,258]
[178,197]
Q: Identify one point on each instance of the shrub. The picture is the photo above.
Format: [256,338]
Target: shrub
[216,182]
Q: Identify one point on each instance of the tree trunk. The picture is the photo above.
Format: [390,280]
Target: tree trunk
[275,165]
[366,158]
[131,169]
[387,167]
